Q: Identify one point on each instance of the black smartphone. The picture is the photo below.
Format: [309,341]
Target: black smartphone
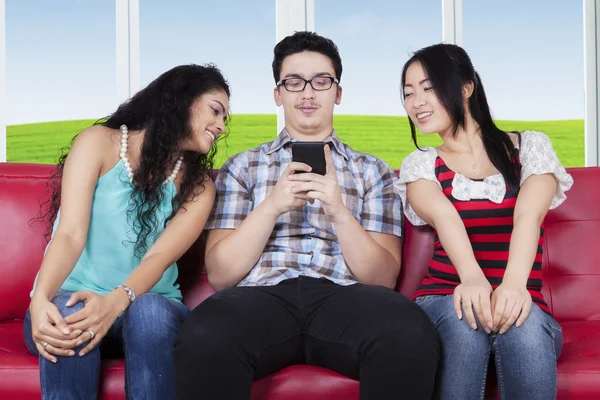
[310,153]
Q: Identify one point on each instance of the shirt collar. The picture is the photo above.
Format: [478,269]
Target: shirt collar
[284,138]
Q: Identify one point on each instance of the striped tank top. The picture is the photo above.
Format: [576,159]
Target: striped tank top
[489,226]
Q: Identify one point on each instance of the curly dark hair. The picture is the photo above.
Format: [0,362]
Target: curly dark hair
[162,109]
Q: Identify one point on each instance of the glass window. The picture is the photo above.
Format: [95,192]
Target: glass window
[375,39]
[60,58]
[529,55]
[235,35]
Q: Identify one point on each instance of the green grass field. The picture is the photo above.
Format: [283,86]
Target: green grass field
[385,137]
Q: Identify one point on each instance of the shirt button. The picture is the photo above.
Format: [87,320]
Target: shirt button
[310,253]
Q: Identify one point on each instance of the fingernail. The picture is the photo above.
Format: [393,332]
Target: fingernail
[474,326]
[77,332]
[459,316]
[81,353]
[53,360]
[518,324]
[502,331]
[71,353]
[66,331]
[487,331]
[490,325]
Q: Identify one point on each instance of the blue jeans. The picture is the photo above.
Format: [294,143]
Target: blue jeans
[525,357]
[146,330]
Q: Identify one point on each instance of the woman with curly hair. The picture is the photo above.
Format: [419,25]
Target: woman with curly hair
[129,198]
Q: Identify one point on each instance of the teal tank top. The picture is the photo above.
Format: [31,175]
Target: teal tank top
[109,257]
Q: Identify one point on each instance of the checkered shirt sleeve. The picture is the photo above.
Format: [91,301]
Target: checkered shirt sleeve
[233,200]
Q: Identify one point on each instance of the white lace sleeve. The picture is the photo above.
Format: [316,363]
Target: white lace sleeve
[417,165]
[537,158]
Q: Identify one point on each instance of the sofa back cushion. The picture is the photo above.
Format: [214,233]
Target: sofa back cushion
[21,245]
[571,264]
[571,270]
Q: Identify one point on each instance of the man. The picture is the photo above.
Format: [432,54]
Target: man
[304,264]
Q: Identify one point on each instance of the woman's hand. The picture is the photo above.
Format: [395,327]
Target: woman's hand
[49,330]
[474,294]
[97,317]
[510,302]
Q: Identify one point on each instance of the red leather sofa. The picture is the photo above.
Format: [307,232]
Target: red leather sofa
[571,270]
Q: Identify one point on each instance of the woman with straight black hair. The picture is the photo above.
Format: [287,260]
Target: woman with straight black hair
[134,193]
[485,192]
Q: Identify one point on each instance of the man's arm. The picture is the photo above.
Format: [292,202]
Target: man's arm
[231,253]
[373,257]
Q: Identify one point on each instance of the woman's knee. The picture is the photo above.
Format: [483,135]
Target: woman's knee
[60,301]
[538,333]
[153,318]
[456,335]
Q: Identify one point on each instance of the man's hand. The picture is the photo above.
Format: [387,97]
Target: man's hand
[324,188]
[284,198]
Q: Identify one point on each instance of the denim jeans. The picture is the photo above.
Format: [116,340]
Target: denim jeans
[146,331]
[525,357]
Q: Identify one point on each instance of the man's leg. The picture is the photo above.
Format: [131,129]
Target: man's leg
[235,336]
[373,334]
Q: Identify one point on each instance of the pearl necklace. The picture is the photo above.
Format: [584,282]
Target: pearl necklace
[123,155]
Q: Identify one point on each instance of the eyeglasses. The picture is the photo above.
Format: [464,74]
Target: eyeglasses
[318,83]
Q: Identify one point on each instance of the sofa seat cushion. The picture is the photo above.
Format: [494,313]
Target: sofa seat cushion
[11,338]
[579,362]
[305,382]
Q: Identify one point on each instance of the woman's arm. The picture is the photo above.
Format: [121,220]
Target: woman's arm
[80,174]
[184,229]
[511,301]
[428,201]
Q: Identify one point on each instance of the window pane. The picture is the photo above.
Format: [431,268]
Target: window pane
[530,58]
[375,39]
[236,36]
[60,67]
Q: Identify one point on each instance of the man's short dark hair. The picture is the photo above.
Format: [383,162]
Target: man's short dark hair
[306,41]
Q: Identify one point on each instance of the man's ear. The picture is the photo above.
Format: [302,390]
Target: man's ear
[277,97]
[338,95]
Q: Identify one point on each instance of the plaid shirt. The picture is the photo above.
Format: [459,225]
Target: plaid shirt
[304,242]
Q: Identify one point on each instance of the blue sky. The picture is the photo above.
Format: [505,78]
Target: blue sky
[61,53]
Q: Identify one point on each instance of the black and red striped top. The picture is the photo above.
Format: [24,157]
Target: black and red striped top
[489,226]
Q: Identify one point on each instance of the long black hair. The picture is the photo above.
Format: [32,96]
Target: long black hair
[162,109]
[448,68]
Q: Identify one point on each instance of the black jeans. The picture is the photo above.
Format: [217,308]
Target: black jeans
[369,333]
